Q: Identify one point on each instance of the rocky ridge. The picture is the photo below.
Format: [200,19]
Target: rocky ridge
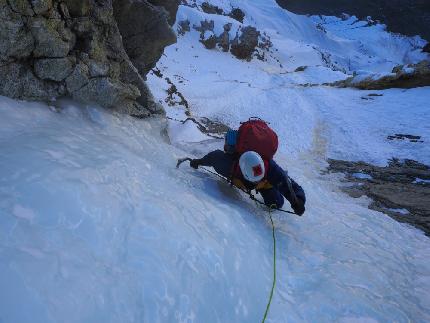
[83,49]
[403,76]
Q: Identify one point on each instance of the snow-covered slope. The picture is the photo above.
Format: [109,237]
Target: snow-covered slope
[97,224]
[352,124]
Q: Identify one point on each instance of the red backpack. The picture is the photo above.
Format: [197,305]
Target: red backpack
[256,135]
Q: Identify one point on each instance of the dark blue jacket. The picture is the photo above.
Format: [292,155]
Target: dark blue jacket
[224,164]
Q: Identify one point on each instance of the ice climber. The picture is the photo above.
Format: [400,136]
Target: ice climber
[251,172]
[247,162]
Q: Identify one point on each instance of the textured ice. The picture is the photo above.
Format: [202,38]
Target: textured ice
[97,225]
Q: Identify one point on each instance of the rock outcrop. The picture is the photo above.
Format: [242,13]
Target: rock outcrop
[170,6]
[401,189]
[55,48]
[243,46]
[145,31]
[408,76]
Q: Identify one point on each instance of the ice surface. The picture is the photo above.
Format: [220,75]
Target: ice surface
[362,176]
[420,180]
[97,225]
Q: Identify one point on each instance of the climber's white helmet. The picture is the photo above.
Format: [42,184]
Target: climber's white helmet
[252,166]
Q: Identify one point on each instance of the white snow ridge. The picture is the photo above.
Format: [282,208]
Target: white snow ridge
[97,224]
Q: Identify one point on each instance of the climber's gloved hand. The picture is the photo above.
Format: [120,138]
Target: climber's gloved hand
[299,207]
[195,163]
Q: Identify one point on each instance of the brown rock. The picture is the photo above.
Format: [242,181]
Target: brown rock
[237,14]
[211,9]
[244,46]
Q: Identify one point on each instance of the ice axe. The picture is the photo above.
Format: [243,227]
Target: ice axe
[181,160]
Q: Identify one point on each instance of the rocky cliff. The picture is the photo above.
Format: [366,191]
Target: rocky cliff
[89,50]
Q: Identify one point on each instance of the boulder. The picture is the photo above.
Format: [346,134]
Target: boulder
[19,82]
[52,38]
[15,40]
[224,38]
[210,42]
[211,9]
[237,14]
[55,69]
[183,27]
[107,92]
[79,77]
[244,46]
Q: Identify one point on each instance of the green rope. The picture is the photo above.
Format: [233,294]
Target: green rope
[271,208]
[274,265]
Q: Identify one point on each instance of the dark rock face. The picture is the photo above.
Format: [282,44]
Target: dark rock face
[398,186]
[408,17]
[53,48]
[145,32]
[171,6]
[426,48]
